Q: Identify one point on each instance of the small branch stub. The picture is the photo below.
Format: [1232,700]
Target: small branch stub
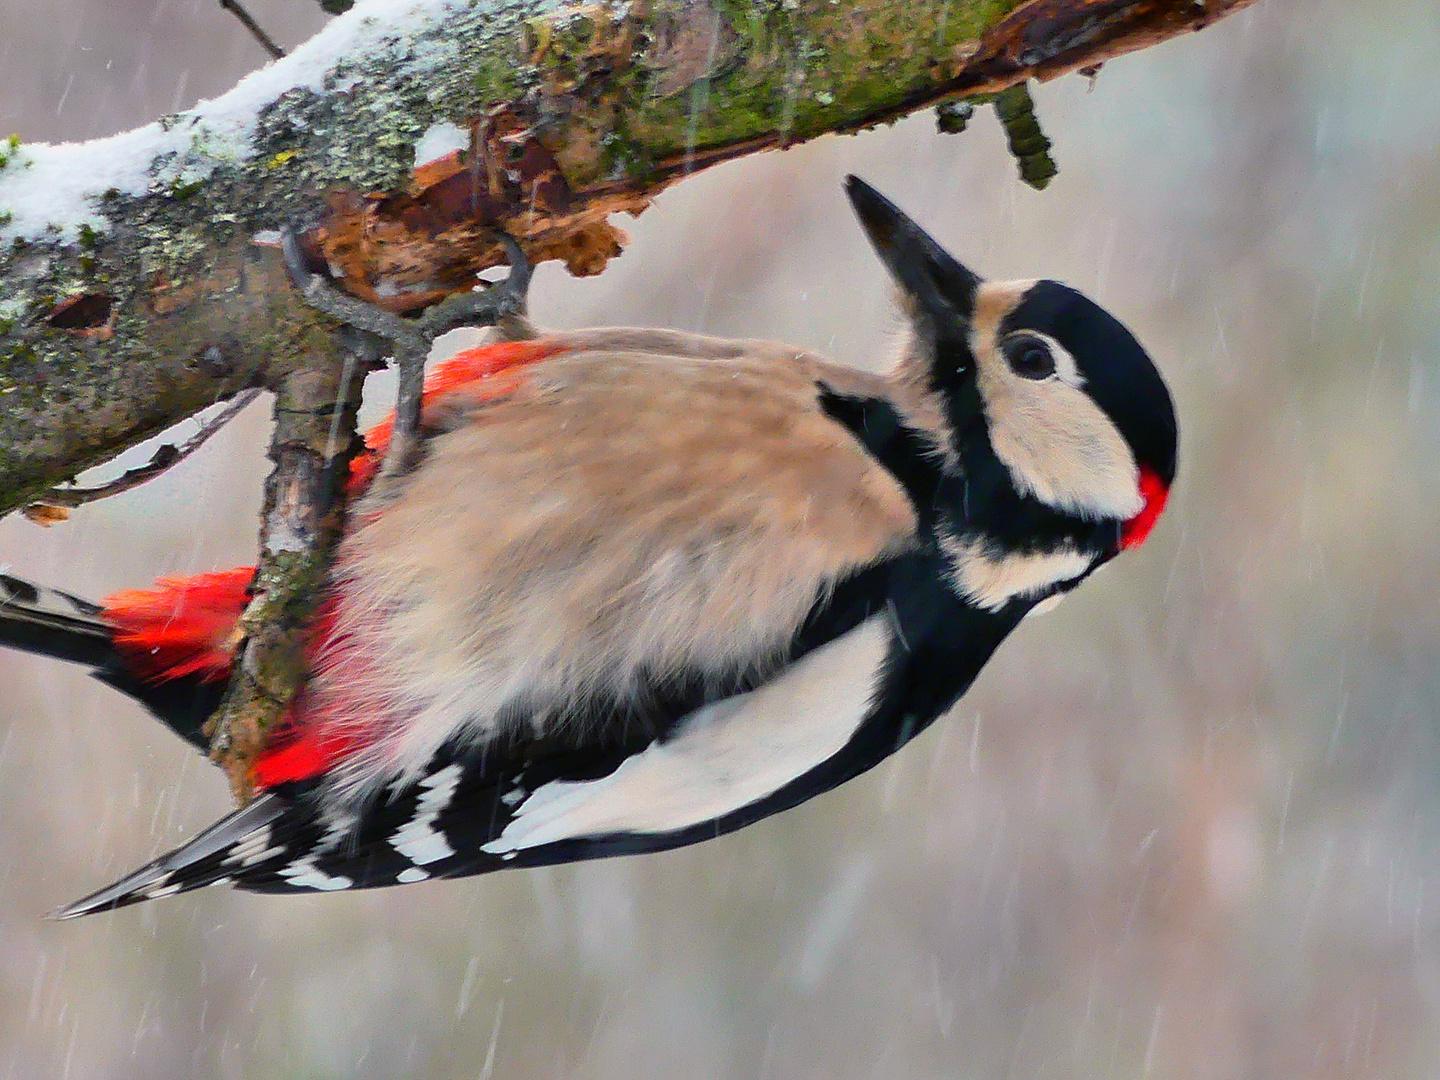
[312,445]
[1028,144]
[953,117]
[55,504]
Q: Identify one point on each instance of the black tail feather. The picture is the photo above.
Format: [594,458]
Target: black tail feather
[48,622]
[52,623]
[209,858]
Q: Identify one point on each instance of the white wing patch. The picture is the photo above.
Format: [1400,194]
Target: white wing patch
[252,849]
[723,757]
[418,839]
[303,874]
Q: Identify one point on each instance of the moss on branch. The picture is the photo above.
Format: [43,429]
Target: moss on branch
[595,107]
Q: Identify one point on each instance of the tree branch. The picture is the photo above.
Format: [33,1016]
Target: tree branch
[131,295]
[300,526]
[163,460]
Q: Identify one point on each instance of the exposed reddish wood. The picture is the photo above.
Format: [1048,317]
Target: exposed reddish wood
[409,250]
[89,314]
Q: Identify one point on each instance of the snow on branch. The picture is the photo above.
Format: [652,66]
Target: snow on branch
[136,282]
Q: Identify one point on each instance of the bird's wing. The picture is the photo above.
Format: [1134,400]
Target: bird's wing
[838,710]
[722,762]
[643,509]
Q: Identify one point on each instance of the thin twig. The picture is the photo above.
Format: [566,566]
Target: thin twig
[163,458]
[266,42]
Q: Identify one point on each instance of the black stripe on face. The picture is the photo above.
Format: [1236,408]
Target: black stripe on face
[981,499]
[983,502]
[905,453]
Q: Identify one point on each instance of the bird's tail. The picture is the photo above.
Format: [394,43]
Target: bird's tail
[163,655]
[217,855]
[52,623]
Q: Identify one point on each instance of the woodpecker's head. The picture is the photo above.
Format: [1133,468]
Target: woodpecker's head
[1063,428]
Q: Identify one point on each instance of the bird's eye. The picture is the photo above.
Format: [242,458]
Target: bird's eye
[1030,358]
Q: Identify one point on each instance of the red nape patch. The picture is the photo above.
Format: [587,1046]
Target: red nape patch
[181,626]
[473,369]
[1153,490]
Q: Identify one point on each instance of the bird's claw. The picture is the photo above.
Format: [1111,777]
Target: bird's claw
[487,306]
[409,340]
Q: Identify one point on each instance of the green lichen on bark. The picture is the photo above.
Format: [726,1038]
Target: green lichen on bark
[71,400]
[196,315]
[811,67]
[301,524]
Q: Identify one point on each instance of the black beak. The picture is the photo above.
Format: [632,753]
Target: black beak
[942,288]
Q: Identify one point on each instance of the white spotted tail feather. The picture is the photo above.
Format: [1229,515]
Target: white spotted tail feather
[292,844]
[205,860]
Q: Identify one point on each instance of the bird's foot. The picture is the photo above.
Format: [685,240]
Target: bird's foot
[384,333]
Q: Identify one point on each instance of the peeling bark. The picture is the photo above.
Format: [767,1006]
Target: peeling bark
[576,114]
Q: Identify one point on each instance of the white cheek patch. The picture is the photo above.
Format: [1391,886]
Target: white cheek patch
[1054,441]
[723,757]
[992,581]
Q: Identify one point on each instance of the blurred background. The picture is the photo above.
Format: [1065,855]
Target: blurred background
[1189,825]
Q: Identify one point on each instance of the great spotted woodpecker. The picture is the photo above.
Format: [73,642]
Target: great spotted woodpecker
[641,587]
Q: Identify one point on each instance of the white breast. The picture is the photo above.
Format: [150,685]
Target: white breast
[722,757]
